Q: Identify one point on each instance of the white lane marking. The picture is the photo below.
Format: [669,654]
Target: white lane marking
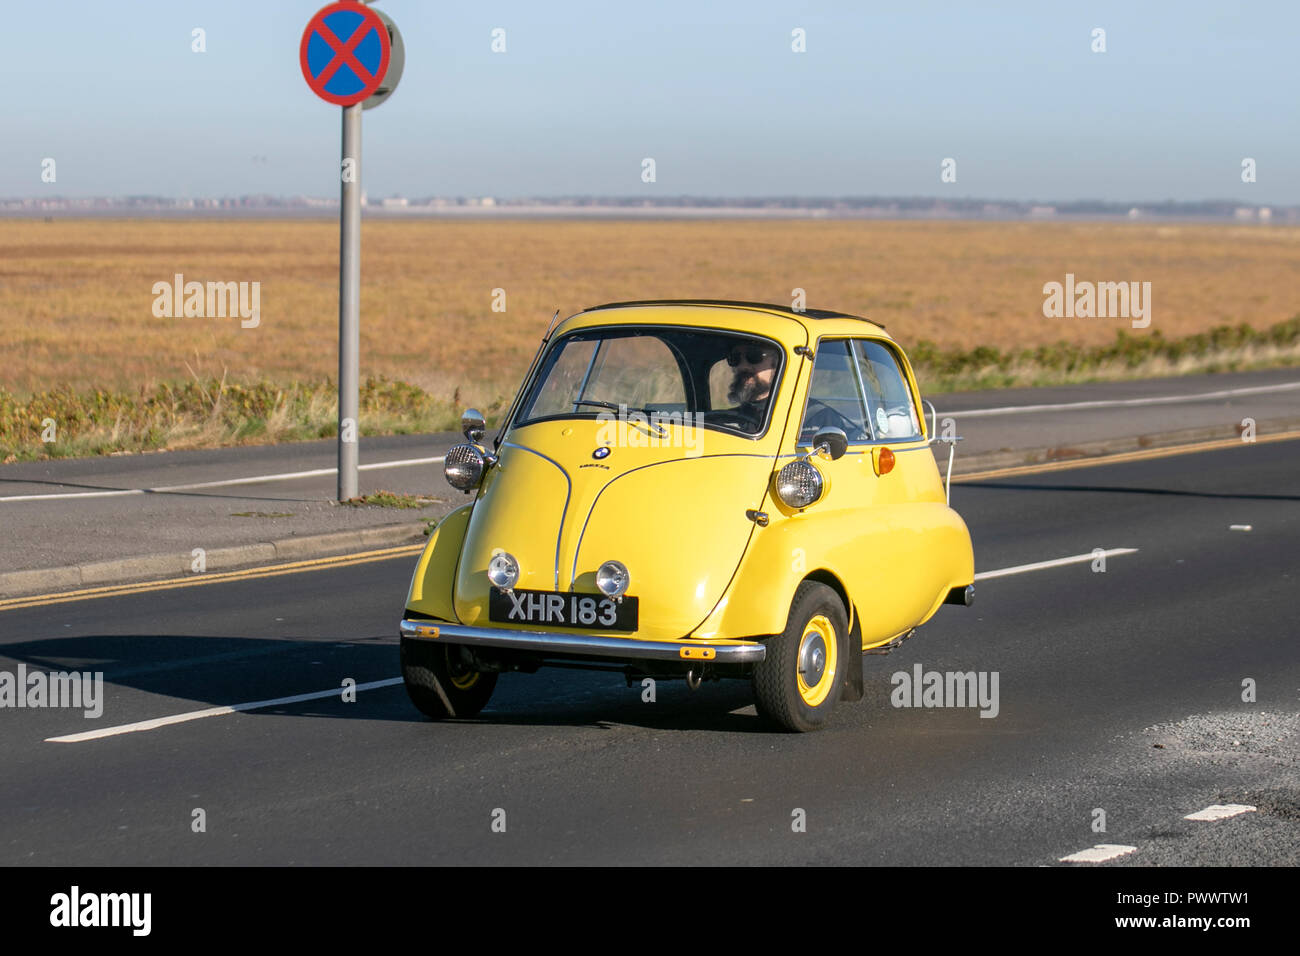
[1099,853]
[1238,527]
[211,712]
[1220,811]
[1054,563]
[1122,402]
[225,482]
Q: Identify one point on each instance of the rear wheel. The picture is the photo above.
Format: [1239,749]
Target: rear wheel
[798,683]
[441,680]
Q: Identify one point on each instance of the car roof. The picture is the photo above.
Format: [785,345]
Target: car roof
[815,322]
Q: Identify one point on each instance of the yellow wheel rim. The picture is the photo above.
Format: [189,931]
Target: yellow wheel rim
[462,678]
[817,660]
[464,681]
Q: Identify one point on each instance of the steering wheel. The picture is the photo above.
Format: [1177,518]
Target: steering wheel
[852,429]
[727,417]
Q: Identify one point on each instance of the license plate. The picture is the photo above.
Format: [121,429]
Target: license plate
[589,611]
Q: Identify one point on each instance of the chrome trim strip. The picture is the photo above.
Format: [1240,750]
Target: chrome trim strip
[583,644]
[586,376]
[862,391]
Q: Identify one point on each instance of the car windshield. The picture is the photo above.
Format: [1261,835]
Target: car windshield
[723,380]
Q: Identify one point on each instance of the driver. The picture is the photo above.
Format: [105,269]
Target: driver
[751,383]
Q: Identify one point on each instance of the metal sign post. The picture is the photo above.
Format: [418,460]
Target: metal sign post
[349,304]
[346,55]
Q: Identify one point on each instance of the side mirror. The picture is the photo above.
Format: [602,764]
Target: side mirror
[833,441]
[472,425]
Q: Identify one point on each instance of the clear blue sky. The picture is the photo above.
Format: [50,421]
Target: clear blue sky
[711,91]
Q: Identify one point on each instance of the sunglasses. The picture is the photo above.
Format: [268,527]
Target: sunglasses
[751,356]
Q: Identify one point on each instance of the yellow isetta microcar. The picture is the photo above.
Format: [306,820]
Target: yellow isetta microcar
[694,490]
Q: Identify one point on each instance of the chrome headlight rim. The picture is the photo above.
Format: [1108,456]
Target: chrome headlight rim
[613,579]
[503,570]
[463,466]
[799,484]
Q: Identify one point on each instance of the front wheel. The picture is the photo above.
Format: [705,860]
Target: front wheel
[798,683]
[441,681]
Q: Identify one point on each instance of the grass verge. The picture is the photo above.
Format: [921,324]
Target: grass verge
[392,499]
[64,423]
[1224,348]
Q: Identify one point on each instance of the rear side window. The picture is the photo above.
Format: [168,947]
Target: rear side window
[890,411]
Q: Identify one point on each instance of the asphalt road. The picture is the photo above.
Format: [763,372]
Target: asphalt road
[1118,691]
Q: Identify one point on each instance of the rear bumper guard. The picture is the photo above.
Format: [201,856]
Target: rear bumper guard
[961,596]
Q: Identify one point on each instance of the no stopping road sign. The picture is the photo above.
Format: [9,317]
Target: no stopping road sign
[344,52]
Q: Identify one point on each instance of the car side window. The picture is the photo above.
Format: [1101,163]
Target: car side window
[834,398]
[889,401]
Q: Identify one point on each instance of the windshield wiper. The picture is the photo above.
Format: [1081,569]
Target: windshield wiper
[658,428]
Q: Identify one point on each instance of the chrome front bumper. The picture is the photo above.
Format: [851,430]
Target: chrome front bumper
[584,645]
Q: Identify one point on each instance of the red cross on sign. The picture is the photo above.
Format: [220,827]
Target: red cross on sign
[344,52]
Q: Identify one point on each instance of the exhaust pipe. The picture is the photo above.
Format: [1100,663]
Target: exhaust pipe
[963,596]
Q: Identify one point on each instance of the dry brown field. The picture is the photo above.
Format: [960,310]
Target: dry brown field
[76,295]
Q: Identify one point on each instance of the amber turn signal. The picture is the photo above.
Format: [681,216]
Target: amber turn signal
[883,460]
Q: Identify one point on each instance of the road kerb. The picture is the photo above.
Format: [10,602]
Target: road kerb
[144,567]
[1100,450]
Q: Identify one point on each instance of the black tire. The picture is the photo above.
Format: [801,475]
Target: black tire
[440,681]
[781,690]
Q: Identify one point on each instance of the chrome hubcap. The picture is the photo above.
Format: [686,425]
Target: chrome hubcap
[812,658]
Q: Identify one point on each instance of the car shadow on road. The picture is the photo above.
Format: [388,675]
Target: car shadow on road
[191,672]
[559,698]
[208,671]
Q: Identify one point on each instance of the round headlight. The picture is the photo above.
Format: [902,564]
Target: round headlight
[799,484]
[612,578]
[503,570]
[463,467]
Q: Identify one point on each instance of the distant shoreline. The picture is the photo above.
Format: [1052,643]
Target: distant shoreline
[666,208]
[1289,218]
